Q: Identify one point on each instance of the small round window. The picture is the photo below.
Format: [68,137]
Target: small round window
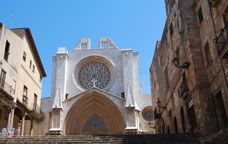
[147,113]
[94,73]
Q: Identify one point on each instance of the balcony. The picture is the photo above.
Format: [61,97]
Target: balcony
[35,112]
[36,108]
[7,88]
[222,42]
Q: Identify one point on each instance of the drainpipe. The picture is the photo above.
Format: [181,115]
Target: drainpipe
[217,47]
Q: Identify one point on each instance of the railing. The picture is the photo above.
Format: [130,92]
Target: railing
[36,108]
[222,39]
[7,88]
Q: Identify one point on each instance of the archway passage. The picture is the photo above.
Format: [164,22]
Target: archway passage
[94,114]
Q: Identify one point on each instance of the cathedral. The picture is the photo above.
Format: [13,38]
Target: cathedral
[96,91]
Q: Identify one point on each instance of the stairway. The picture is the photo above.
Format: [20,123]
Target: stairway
[119,139]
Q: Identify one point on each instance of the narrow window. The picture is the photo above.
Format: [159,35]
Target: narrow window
[182,119]
[175,125]
[170,113]
[24,56]
[166,75]
[163,128]
[30,64]
[25,92]
[177,53]
[207,54]
[84,45]
[35,102]
[6,53]
[2,78]
[172,2]
[0,114]
[171,30]
[225,19]
[33,68]
[66,96]
[104,44]
[200,15]
[123,95]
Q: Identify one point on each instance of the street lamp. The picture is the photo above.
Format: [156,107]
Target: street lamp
[176,62]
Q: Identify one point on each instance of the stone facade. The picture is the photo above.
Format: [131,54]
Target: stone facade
[21,73]
[96,91]
[190,92]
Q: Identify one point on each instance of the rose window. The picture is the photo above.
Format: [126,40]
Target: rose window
[94,74]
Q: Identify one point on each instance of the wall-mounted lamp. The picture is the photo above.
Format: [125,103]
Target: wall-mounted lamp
[176,62]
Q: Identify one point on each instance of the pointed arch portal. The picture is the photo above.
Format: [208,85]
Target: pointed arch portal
[94,114]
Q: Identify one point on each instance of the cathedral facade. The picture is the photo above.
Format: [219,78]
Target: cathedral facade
[96,91]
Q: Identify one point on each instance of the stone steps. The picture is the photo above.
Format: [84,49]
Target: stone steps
[119,139]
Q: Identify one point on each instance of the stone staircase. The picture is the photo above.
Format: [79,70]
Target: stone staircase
[118,139]
[220,137]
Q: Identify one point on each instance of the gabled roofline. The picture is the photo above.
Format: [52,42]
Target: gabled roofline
[34,49]
[96,89]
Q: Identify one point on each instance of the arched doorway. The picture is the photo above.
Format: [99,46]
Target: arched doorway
[94,114]
[175,125]
[95,126]
[182,119]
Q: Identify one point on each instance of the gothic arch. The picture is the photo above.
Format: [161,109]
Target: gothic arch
[94,103]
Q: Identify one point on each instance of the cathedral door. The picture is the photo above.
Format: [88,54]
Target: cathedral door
[95,126]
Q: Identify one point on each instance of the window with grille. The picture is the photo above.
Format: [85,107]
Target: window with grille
[2,78]
[25,93]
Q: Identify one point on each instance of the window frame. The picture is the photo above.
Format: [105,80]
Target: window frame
[24,56]
[25,94]
[6,51]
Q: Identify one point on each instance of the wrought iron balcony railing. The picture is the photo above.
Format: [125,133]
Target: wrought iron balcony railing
[222,39]
[36,108]
[7,88]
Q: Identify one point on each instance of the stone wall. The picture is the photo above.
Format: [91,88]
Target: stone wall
[189,96]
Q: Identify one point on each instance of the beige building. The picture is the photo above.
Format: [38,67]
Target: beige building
[21,73]
[189,71]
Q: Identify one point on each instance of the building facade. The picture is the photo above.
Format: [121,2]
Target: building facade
[95,91]
[21,73]
[189,71]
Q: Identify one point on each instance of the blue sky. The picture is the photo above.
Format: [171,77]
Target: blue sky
[135,24]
